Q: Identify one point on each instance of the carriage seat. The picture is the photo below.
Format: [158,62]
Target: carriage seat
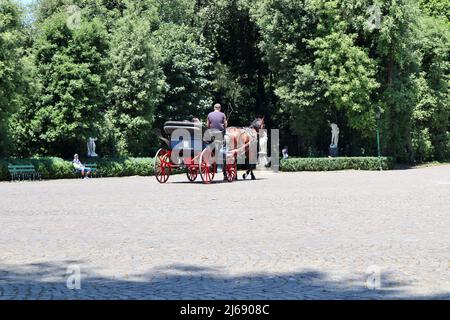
[195,131]
[171,126]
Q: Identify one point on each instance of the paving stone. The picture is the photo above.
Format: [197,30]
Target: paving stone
[284,236]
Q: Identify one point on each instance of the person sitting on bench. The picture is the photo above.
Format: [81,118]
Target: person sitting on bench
[79,167]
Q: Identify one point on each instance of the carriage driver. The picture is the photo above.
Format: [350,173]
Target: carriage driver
[217,120]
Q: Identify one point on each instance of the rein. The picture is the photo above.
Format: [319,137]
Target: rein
[230,112]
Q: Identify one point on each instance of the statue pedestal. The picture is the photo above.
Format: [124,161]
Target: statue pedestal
[334,152]
[263,162]
[275,168]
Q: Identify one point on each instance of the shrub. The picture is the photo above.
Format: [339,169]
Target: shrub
[334,164]
[125,167]
[57,168]
[423,147]
[50,168]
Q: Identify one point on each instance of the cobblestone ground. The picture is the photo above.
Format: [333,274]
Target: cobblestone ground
[285,236]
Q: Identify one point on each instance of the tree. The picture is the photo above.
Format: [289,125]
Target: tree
[321,73]
[436,8]
[106,10]
[11,67]
[136,81]
[132,65]
[432,108]
[346,75]
[70,69]
[187,67]
[44,9]
[285,28]
[399,61]
[240,74]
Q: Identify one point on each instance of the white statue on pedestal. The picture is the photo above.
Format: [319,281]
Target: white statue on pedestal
[263,160]
[334,135]
[285,153]
[91,147]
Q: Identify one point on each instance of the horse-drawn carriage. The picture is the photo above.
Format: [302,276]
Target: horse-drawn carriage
[189,149]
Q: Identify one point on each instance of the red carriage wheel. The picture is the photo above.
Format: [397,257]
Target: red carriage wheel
[162,166]
[231,171]
[208,166]
[192,174]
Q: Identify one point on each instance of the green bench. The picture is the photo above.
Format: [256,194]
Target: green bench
[94,169]
[23,172]
[91,167]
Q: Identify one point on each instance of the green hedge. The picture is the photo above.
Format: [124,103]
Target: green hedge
[50,168]
[124,167]
[335,164]
[57,168]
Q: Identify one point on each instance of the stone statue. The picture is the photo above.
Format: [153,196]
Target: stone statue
[91,147]
[334,135]
[263,160]
[285,153]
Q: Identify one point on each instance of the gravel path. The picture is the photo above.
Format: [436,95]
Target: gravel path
[285,236]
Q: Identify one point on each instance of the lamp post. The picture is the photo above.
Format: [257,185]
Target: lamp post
[378,115]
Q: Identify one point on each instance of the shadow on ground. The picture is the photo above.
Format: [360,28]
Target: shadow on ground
[217,181]
[187,282]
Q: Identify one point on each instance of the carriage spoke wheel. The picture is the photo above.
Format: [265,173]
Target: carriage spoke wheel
[208,166]
[162,166]
[231,171]
[192,174]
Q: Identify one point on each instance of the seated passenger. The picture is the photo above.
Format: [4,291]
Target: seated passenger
[196,121]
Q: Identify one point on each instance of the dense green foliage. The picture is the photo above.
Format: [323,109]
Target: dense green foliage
[70,71]
[436,8]
[117,69]
[335,164]
[136,81]
[11,67]
[50,168]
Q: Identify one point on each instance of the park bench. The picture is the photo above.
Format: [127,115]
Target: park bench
[23,172]
[92,167]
